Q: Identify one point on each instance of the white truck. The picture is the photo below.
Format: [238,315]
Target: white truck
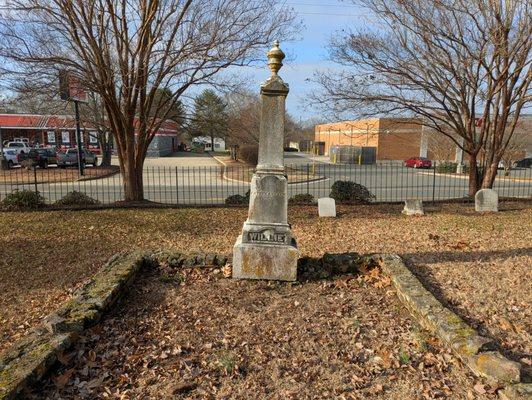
[18,147]
[11,158]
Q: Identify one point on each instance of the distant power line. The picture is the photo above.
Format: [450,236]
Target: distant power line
[333,15]
[295,3]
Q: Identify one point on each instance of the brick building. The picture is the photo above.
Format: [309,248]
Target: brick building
[402,138]
[393,138]
[60,132]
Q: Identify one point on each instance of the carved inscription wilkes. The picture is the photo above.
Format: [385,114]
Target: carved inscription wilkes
[267,236]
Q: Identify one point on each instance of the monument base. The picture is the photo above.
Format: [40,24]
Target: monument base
[264,261]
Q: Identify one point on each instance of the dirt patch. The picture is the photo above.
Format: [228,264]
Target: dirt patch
[19,176]
[195,335]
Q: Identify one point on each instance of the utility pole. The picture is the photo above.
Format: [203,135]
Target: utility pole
[71,90]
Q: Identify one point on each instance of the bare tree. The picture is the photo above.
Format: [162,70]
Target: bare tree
[518,145]
[127,50]
[243,117]
[93,114]
[462,66]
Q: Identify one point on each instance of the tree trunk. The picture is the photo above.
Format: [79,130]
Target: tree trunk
[212,143]
[133,185]
[475,177]
[489,176]
[106,154]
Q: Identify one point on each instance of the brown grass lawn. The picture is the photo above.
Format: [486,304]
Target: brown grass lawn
[479,265]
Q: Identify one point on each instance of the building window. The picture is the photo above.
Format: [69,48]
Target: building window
[93,139]
[65,137]
[51,137]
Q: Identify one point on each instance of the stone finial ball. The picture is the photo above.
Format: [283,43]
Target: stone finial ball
[275,58]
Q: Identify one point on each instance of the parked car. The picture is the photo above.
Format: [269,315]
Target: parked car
[418,162]
[524,163]
[19,147]
[70,158]
[11,157]
[38,157]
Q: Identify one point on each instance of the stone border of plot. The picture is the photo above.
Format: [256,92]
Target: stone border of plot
[29,359]
[474,350]
[26,362]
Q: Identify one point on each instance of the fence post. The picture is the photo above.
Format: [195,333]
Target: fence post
[434,184]
[176,187]
[308,178]
[35,178]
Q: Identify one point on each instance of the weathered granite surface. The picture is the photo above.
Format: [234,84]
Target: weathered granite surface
[413,207]
[487,200]
[326,207]
[252,261]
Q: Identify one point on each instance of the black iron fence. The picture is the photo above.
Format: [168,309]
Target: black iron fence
[206,185]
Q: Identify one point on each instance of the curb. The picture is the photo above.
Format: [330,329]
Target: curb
[93,178]
[224,176]
[26,362]
[472,349]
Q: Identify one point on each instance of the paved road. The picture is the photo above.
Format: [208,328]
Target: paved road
[182,181]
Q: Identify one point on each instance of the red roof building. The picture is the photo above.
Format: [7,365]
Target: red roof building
[60,131]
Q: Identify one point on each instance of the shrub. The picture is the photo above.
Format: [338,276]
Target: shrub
[20,199]
[76,198]
[302,198]
[449,167]
[238,199]
[249,154]
[350,192]
[446,167]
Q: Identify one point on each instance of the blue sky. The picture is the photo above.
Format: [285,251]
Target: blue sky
[304,56]
[321,19]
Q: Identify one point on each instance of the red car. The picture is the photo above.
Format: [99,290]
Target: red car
[418,162]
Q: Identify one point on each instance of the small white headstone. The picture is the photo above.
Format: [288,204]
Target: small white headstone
[486,200]
[413,207]
[326,207]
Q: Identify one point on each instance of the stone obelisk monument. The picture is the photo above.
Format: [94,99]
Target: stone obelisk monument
[266,249]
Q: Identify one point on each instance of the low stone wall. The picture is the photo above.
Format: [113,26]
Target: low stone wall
[475,351]
[29,359]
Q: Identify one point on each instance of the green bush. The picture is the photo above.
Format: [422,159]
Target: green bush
[350,192]
[76,198]
[238,199]
[446,167]
[302,198]
[20,199]
[249,154]
[449,167]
